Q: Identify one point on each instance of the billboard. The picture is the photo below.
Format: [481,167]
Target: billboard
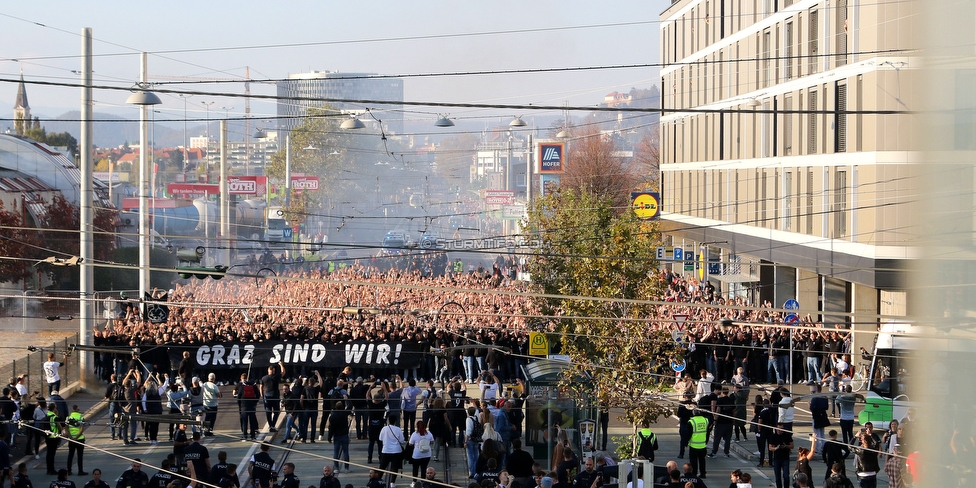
[552,157]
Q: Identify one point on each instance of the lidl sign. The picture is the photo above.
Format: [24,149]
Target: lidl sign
[552,157]
[646,205]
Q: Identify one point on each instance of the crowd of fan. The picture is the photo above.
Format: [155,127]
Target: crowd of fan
[459,307]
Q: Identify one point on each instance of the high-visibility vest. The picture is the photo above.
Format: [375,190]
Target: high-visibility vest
[53,420]
[74,422]
[699,432]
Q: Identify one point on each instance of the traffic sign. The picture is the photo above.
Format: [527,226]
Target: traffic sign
[286,233]
[791,304]
[661,255]
[679,254]
[677,335]
[538,344]
[680,320]
[791,318]
[678,365]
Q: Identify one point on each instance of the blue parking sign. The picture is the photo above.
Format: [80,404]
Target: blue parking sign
[679,254]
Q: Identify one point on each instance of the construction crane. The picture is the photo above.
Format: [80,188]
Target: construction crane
[247,99]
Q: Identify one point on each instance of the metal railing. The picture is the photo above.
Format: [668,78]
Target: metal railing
[31,364]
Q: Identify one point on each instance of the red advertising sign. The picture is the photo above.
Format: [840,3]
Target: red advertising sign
[499,197]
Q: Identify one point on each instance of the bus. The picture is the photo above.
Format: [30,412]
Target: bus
[891,389]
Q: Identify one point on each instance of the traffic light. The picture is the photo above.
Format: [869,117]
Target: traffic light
[216,272]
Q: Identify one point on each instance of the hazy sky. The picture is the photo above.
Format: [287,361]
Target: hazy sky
[218,39]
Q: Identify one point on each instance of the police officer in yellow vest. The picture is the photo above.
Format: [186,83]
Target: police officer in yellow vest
[698,445]
[53,436]
[76,439]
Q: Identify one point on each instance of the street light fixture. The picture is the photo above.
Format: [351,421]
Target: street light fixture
[443,121]
[352,124]
[517,122]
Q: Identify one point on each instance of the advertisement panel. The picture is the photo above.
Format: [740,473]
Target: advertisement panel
[552,157]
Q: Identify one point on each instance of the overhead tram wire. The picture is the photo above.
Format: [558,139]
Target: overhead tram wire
[517,107]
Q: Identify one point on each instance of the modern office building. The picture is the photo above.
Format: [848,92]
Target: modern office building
[782,155]
[302,91]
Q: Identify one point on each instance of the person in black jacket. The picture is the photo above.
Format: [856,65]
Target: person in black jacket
[134,477]
[339,434]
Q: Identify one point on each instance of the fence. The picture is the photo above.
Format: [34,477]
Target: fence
[31,364]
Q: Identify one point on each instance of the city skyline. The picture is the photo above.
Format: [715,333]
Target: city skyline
[397,40]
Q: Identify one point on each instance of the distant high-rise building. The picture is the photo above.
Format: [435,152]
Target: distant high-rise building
[302,91]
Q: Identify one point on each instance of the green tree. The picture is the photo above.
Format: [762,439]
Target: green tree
[597,264]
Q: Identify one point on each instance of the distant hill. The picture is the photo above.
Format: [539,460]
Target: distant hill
[112,130]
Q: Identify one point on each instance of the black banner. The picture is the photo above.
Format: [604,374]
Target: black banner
[237,355]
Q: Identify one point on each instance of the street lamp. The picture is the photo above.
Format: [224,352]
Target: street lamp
[143,98]
[443,121]
[208,105]
[186,154]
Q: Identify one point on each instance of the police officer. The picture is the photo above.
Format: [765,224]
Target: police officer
[53,437]
[96,481]
[133,477]
[21,479]
[698,445]
[162,478]
[261,467]
[76,439]
[63,481]
[289,480]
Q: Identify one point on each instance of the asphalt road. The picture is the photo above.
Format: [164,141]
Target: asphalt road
[112,457]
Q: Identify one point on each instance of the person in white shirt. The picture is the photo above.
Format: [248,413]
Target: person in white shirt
[489,385]
[51,372]
[421,443]
[391,456]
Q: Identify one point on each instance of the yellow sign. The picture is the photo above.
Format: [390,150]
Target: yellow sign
[702,264]
[645,205]
[538,344]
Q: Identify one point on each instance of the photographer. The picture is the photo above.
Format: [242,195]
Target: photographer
[489,384]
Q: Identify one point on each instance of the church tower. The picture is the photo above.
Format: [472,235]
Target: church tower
[22,115]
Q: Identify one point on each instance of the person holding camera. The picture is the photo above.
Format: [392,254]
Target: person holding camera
[489,384]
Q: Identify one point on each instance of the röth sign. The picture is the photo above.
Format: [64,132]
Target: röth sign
[551,157]
[242,187]
[305,182]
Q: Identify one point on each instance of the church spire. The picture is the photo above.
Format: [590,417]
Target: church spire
[22,115]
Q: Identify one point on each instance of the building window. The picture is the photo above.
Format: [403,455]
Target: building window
[766,61]
[789,51]
[808,209]
[788,200]
[840,204]
[812,122]
[788,125]
[840,118]
[840,39]
[813,46]
[763,195]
